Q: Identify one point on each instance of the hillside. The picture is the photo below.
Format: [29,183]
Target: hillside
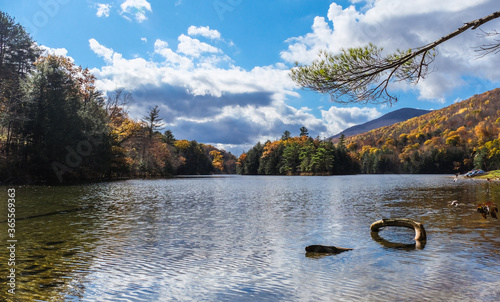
[388,119]
[454,138]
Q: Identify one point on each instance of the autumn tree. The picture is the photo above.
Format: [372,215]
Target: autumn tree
[123,130]
[218,161]
[363,74]
[117,103]
[195,161]
[270,162]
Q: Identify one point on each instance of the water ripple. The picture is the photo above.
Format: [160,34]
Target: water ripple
[243,239]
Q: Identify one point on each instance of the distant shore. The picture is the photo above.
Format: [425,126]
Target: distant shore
[495,174]
[492,175]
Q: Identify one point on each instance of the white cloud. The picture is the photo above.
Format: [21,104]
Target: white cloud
[338,119]
[194,47]
[204,31]
[103,10]
[145,40]
[54,51]
[395,24]
[102,51]
[137,8]
[172,58]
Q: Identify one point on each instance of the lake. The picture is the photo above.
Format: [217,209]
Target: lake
[242,238]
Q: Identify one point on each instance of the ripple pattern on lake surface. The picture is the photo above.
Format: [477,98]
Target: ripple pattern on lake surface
[242,239]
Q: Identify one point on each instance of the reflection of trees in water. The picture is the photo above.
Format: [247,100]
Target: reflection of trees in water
[54,244]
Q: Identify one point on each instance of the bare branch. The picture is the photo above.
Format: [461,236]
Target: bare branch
[492,48]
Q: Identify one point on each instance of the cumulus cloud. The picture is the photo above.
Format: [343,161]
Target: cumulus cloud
[103,10]
[136,8]
[100,50]
[394,24]
[339,118]
[194,47]
[55,51]
[204,31]
[206,102]
[172,58]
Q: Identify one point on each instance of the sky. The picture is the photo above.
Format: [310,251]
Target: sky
[219,69]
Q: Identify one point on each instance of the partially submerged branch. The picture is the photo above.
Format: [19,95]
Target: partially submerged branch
[420,234]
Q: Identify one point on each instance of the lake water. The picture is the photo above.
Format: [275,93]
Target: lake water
[242,238]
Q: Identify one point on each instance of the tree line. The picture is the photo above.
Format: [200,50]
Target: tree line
[56,126]
[299,155]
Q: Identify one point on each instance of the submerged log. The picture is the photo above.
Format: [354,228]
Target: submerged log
[324,249]
[420,234]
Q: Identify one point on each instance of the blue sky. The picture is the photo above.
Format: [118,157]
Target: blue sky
[218,69]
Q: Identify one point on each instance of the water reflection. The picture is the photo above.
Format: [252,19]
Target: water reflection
[243,238]
[418,245]
[53,246]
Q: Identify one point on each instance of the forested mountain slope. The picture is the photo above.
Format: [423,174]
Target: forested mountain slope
[454,138]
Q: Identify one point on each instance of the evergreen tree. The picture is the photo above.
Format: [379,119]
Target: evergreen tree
[153,121]
[303,131]
[66,136]
[286,135]
[18,52]
[169,138]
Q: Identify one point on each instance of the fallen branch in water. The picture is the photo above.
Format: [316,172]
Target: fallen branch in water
[420,234]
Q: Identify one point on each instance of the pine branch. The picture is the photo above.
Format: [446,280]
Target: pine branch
[354,75]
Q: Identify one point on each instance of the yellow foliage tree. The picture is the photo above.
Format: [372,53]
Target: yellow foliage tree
[182,144]
[218,161]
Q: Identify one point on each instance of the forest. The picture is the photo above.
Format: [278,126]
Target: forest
[454,139]
[57,127]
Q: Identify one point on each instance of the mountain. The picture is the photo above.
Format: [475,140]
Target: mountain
[388,119]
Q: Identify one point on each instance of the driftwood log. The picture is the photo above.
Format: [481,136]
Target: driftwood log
[420,234]
[324,249]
